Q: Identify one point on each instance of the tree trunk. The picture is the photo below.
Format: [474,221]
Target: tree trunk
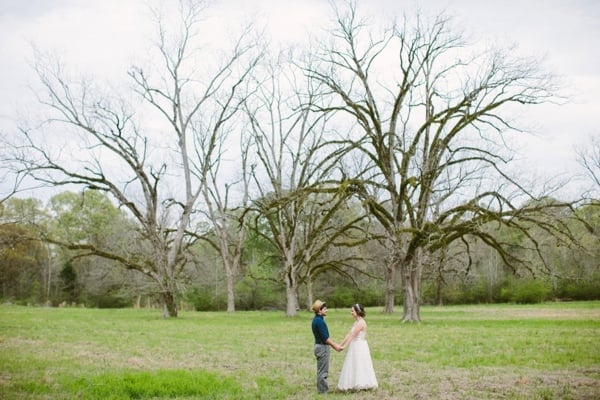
[439,299]
[309,293]
[230,291]
[390,288]
[411,288]
[410,306]
[439,280]
[291,293]
[169,304]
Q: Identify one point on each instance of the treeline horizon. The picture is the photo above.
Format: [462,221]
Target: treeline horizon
[37,273]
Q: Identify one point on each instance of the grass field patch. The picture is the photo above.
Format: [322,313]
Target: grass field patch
[547,351]
[154,384]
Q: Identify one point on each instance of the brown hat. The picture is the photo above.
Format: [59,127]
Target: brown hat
[318,305]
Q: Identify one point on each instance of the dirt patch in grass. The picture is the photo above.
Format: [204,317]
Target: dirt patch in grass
[497,384]
[543,311]
[554,313]
[486,384]
[416,383]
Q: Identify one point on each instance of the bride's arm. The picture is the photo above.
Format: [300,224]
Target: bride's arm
[352,334]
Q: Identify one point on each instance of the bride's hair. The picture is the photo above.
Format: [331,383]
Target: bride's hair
[360,310]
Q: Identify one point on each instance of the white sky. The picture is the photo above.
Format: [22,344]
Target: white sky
[105,37]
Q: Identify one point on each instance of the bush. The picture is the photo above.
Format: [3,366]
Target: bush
[452,295]
[580,291]
[343,297]
[108,301]
[256,294]
[467,292]
[525,292]
[372,296]
[200,299]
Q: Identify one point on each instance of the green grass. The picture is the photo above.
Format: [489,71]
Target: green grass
[153,384]
[548,351]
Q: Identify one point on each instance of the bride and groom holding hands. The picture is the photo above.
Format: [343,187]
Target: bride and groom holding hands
[357,371]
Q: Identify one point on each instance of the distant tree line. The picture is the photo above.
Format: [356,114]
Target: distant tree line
[35,272]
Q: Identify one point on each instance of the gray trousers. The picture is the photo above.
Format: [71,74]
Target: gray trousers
[322,355]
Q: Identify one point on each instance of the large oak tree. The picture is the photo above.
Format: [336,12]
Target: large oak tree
[432,119]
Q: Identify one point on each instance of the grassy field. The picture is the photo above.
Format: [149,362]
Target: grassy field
[548,351]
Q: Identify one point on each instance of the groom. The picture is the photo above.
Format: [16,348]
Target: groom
[322,343]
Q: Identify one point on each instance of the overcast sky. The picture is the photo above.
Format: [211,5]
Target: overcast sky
[106,36]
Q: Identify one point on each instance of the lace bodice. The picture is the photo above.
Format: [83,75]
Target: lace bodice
[362,335]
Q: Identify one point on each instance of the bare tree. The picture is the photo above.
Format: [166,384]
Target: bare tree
[589,159]
[297,199]
[432,122]
[10,180]
[157,170]
[228,223]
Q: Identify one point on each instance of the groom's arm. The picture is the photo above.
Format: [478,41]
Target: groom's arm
[333,344]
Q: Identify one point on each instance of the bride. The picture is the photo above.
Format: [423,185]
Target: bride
[357,371]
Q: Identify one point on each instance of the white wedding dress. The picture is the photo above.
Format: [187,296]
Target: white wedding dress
[357,371]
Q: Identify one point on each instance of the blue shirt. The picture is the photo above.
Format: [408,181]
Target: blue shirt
[319,328]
